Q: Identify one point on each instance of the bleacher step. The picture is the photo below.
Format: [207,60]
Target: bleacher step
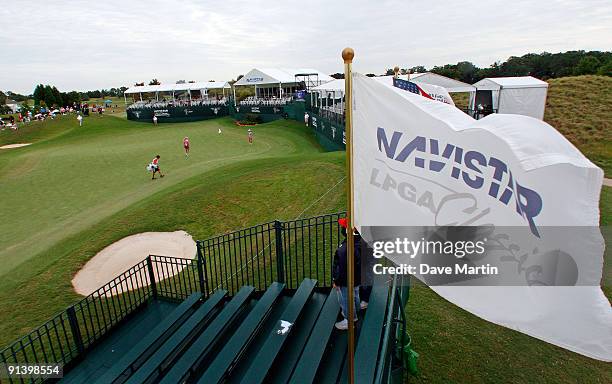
[306,369]
[136,356]
[175,345]
[200,349]
[268,353]
[237,344]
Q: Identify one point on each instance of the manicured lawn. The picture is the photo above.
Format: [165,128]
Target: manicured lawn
[78,190]
[56,188]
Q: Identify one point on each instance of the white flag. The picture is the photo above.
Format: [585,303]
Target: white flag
[418,162]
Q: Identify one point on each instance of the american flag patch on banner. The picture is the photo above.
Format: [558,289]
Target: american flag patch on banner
[410,87]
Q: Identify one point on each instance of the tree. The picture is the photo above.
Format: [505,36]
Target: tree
[418,69]
[337,75]
[2,98]
[154,82]
[370,75]
[49,97]
[25,108]
[467,72]
[180,81]
[57,96]
[606,69]
[588,65]
[15,96]
[38,94]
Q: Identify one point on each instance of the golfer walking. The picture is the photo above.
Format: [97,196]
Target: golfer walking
[80,119]
[250,131]
[186,145]
[154,120]
[155,167]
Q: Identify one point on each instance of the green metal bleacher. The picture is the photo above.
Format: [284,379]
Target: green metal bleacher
[176,345]
[147,346]
[201,348]
[276,336]
[229,355]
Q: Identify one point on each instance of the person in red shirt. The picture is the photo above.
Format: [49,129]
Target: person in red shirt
[186,146]
[250,132]
[155,167]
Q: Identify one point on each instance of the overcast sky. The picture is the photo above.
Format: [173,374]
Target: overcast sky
[86,45]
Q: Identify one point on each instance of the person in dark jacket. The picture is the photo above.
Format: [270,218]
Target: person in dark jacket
[339,275]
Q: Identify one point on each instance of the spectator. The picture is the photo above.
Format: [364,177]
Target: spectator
[339,275]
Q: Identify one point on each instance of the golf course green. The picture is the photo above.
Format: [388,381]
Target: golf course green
[76,190]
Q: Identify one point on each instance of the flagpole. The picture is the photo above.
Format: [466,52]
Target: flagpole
[347,56]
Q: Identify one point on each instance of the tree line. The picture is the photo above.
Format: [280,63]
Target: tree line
[50,96]
[540,65]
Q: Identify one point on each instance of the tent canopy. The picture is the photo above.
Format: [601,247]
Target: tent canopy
[265,76]
[169,87]
[338,84]
[497,83]
[451,85]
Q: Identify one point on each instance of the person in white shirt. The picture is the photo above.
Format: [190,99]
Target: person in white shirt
[154,120]
[306,117]
[80,119]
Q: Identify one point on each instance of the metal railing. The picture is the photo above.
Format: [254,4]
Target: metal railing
[280,251]
[68,335]
[394,336]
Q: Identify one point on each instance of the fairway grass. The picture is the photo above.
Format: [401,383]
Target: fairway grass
[54,189]
[79,190]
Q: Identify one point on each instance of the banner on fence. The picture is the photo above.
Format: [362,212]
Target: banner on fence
[418,162]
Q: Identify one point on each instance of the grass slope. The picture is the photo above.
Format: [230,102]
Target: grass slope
[579,107]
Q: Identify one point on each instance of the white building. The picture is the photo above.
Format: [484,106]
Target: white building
[13,105]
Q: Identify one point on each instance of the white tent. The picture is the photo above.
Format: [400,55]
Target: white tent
[169,87]
[269,76]
[451,85]
[523,95]
[202,87]
[335,88]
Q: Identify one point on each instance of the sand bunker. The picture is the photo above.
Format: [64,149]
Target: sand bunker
[129,251]
[9,146]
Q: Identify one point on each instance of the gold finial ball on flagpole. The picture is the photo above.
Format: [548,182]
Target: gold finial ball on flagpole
[348,54]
